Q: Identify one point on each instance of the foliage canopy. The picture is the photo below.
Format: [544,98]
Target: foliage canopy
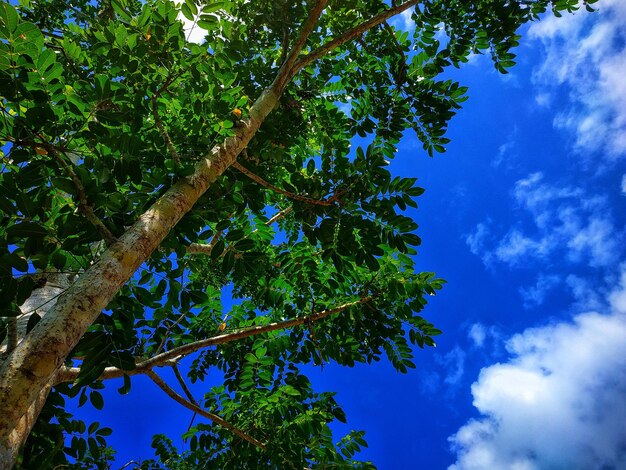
[106,105]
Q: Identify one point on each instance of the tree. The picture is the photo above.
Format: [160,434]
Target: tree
[151,175]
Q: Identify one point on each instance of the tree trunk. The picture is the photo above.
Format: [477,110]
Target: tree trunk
[30,368]
[9,448]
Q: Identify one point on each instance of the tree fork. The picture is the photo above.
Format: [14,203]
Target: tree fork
[31,366]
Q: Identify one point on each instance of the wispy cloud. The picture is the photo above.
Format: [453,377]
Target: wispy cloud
[535,295]
[477,334]
[454,363]
[587,54]
[507,152]
[558,402]
[564,222]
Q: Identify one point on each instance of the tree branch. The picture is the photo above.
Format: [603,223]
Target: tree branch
[183,385]
[279,215]
[187,349]
[351,34]
[288,69]
[195,408]
[169,358]
[206,248]
[69,374]
[295,197]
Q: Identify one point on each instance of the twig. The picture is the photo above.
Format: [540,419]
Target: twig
[168,141]
[207,248]
[83,204]
[279,215]
[351,34]
[210,416]
[183,385]
[204,248]
[296,197]
[168,331]
[129,463]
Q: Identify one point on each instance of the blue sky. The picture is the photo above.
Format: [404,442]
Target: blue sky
[525,216]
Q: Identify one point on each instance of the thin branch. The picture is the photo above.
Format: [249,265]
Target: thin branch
[210,416]
[187,349]
[206,248]
[296,197]
[69,374]
[168,141]
[129,463]
[351,34]
[283,47]
[168,331]
[183,385]
[83,204]
[289,66]
[169,358]
[279,215]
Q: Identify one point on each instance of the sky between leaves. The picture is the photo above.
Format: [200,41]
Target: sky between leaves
[525,216]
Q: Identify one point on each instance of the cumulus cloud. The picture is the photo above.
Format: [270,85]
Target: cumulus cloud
[558,402]
[565,221]
[586,54]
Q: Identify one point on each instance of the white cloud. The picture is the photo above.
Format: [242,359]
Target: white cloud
[535,295]
[586,53]
[193,33]
[454,362]
[565,222]
[507,151]
[624,184]
[478,334]
[477,240]
[404,21]
[558,402]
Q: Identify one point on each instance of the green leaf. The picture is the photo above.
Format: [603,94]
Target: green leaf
[218,249]
[93,427]
[32,321]
[208,23]
[97,401]
[8,20]
[245,245]
[186,11]
[213,7]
